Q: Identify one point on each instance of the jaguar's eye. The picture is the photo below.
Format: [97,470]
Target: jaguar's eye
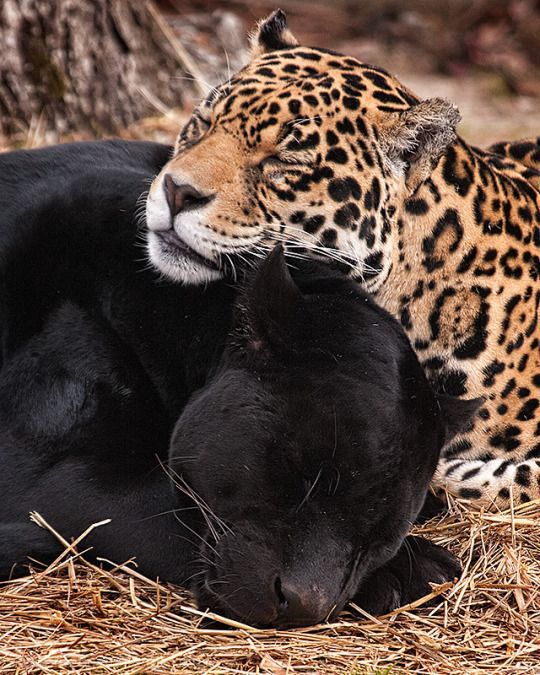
[192,132]
[270,161]
[200,127]
[287,160]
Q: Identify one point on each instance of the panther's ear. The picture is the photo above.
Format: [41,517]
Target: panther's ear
[273,299]
[415,139]
[271,34]
[457,413]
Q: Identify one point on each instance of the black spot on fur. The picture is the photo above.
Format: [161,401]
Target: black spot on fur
[367,230]
[449,220]
[467,260]
[416,206]
[329,238]
[523,475]
[470,493]
[294,106]
[309,56]
[378,80]
[471,473]
[339,190]
[337,155]
[491,370]
[476,343]
[435,315]
[450,172]
[519,150]
[331,137]
[506,438]
[451,382]
[313,224]
[527,410]
[533,452]
[345,126]
[351,103]
[385,97]
[347,216]
[372,265]
[311,100]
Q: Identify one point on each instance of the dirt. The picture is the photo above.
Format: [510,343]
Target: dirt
[493,107]
[493,83]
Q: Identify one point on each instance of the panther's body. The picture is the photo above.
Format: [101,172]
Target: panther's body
[97,362]
[339,159]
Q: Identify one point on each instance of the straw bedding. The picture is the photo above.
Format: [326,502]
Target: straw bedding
[76,617]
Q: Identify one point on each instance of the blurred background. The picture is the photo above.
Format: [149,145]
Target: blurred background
[80,69]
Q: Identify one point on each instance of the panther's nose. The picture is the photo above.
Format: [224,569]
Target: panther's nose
[181,197]
[298,606]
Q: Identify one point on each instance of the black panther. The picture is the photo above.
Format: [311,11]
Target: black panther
[98,356]
[311,450]
[296,467]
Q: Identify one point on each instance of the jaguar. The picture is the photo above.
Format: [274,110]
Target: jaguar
[340,161]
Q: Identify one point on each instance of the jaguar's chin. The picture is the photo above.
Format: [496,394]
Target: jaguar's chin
[179,262]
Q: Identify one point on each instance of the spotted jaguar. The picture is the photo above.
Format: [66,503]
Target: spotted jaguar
[339,160]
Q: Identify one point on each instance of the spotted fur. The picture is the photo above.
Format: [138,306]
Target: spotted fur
[338,159]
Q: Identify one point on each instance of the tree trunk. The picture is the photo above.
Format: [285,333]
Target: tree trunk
[86,65]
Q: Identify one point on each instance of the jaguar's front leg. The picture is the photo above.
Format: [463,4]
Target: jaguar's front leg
[407,576]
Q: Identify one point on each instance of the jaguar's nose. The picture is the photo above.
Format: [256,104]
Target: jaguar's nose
[182,197]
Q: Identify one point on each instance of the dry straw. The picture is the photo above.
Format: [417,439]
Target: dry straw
[75,617]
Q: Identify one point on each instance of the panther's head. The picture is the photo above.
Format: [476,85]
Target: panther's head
[304,146]
[320,436]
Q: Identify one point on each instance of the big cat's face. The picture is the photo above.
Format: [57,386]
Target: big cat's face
[288,150]
[309,452]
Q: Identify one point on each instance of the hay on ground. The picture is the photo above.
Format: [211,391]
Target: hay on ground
[77,617]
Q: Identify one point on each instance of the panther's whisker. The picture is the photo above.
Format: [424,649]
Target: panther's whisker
[198,500]
[228,82]
[202,539]
[311,489]
[194,575]
[298,235]
[205,510]
[165,513]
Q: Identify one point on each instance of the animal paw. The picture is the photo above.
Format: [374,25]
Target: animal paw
[407,576]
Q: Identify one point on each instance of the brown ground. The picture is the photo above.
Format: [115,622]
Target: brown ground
[77,618]
[483,55]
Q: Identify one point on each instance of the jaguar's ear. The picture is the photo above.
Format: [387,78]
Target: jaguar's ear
[458,413]
[272,33]
[415,139]
[272,299]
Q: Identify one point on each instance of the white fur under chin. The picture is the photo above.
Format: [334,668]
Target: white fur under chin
[180,270]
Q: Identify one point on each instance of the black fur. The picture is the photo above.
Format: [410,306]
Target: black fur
[320,436]
[272,30]
[99,357]
[308,448]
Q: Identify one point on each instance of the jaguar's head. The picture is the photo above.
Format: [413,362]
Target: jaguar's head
[302,146]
